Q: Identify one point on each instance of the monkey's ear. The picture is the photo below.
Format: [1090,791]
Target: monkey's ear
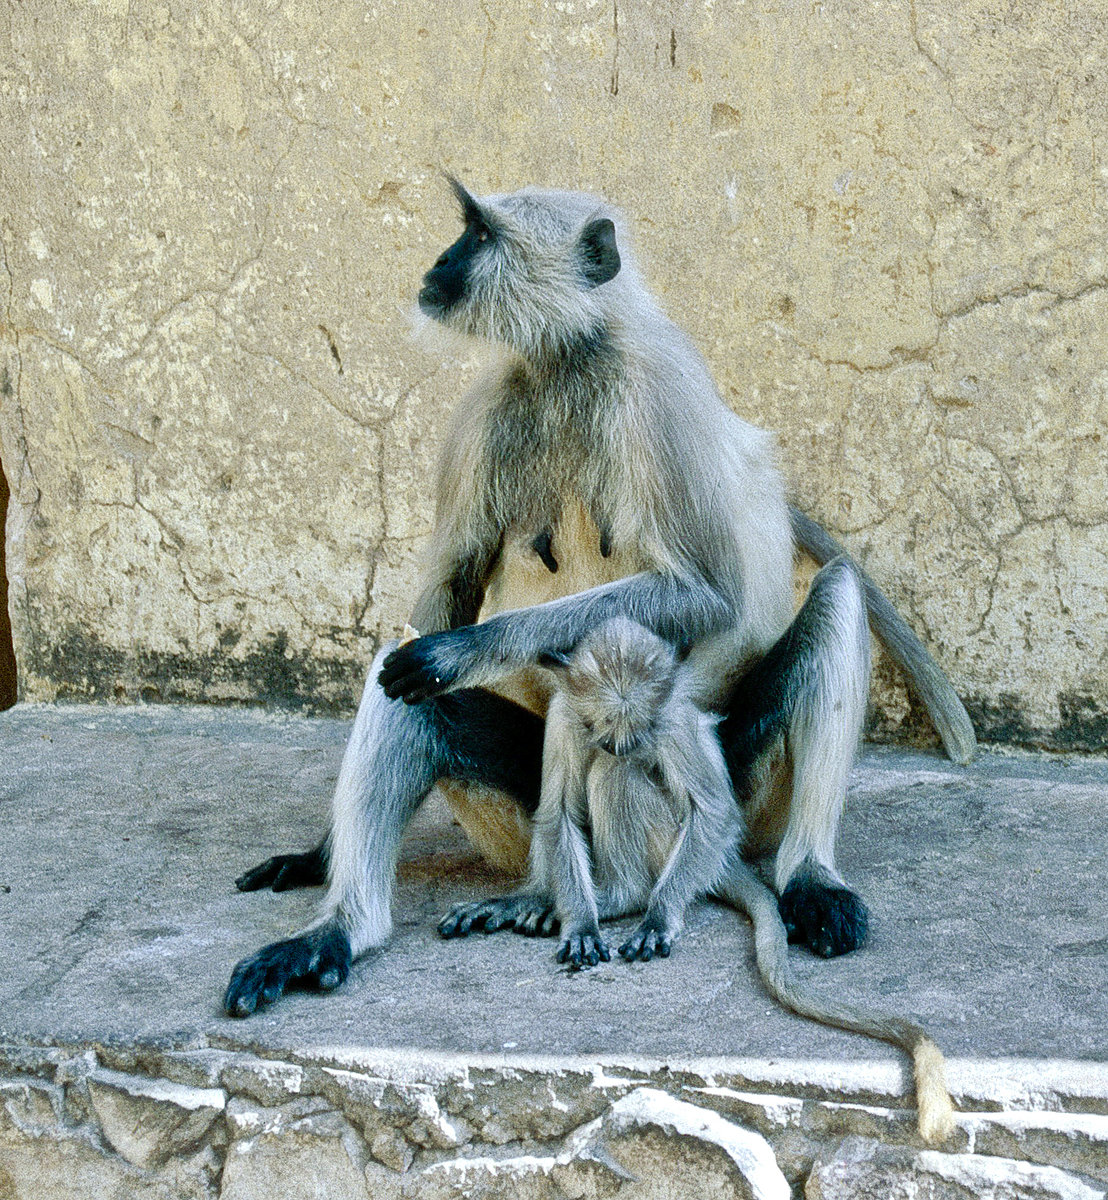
[556,660]
[598,252]
[471,210]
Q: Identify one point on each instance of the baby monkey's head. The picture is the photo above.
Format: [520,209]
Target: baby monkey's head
[616,681]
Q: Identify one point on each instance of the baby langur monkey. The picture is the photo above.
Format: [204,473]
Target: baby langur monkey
[637,811]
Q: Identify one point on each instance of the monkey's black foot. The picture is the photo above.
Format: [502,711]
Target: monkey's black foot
[829,920]
[584,949]
[431,665]
[318,959]
[285,871]
[646,942]
[531,915]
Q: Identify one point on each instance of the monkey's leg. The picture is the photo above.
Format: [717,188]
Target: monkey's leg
[710,836]
[531,909]
[804,703]
[935,690]
[395,754]
[560,850]
[582,945]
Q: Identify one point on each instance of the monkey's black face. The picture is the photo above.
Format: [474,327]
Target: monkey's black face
[446,282]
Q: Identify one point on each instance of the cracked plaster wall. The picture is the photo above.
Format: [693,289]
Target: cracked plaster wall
[883,223]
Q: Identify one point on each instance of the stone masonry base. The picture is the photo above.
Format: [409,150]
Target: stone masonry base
[206,1121]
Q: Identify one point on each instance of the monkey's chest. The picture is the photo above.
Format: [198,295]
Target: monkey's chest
[570,561]
[633,828]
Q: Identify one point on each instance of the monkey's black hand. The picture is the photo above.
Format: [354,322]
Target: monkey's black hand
[531,915]
[285,871]
[646,942]
[583,949]
[318,959]
[431,665]
[829,920]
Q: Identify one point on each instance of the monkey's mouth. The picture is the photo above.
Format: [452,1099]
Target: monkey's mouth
[619,747]
[432,300]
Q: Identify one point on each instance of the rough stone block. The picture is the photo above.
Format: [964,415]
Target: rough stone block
[270,1082]
[1076,1141]
[292,1164]
[865,1170]
[667,1147]
[316,1157]
[520,1178]
[374,1104]
[30,1104]
[63,1164]
[150,1121]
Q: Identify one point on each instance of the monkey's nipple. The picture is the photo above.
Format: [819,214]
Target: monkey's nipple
[542,547]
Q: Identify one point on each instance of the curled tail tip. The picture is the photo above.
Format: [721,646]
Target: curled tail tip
[936,1110]
[936,1119]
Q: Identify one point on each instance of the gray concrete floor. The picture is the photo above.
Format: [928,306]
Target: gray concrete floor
[123,830]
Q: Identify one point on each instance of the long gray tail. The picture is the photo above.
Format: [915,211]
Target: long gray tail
[940,699]
[935,1110]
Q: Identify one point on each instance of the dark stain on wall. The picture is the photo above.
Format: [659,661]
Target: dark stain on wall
[81,667]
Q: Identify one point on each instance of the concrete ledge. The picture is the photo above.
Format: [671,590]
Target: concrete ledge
[482,1068]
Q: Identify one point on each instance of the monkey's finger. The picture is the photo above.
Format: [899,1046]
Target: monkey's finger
[450,925]
[530,925]
[260,876]
[283,872]
[498,920]
[470,921]
[244,990]
[330,966]
[272,990]
[550,925]
[288,877]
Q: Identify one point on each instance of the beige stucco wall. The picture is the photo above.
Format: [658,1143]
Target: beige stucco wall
[883,222]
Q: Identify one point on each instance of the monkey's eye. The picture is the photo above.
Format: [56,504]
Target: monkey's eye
[482,235]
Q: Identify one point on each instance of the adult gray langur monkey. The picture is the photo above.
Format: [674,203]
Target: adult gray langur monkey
[591,471]
[637,812]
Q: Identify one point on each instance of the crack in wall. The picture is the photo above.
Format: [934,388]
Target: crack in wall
[489,33]
[613,85]
[28,506]
[937,67]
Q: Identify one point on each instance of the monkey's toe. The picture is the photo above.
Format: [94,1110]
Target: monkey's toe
[581,950]
[829,920]
[529,915]
[283,872]
[319,959]
[645,943]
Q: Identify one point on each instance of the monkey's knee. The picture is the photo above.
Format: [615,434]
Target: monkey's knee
[828,918]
